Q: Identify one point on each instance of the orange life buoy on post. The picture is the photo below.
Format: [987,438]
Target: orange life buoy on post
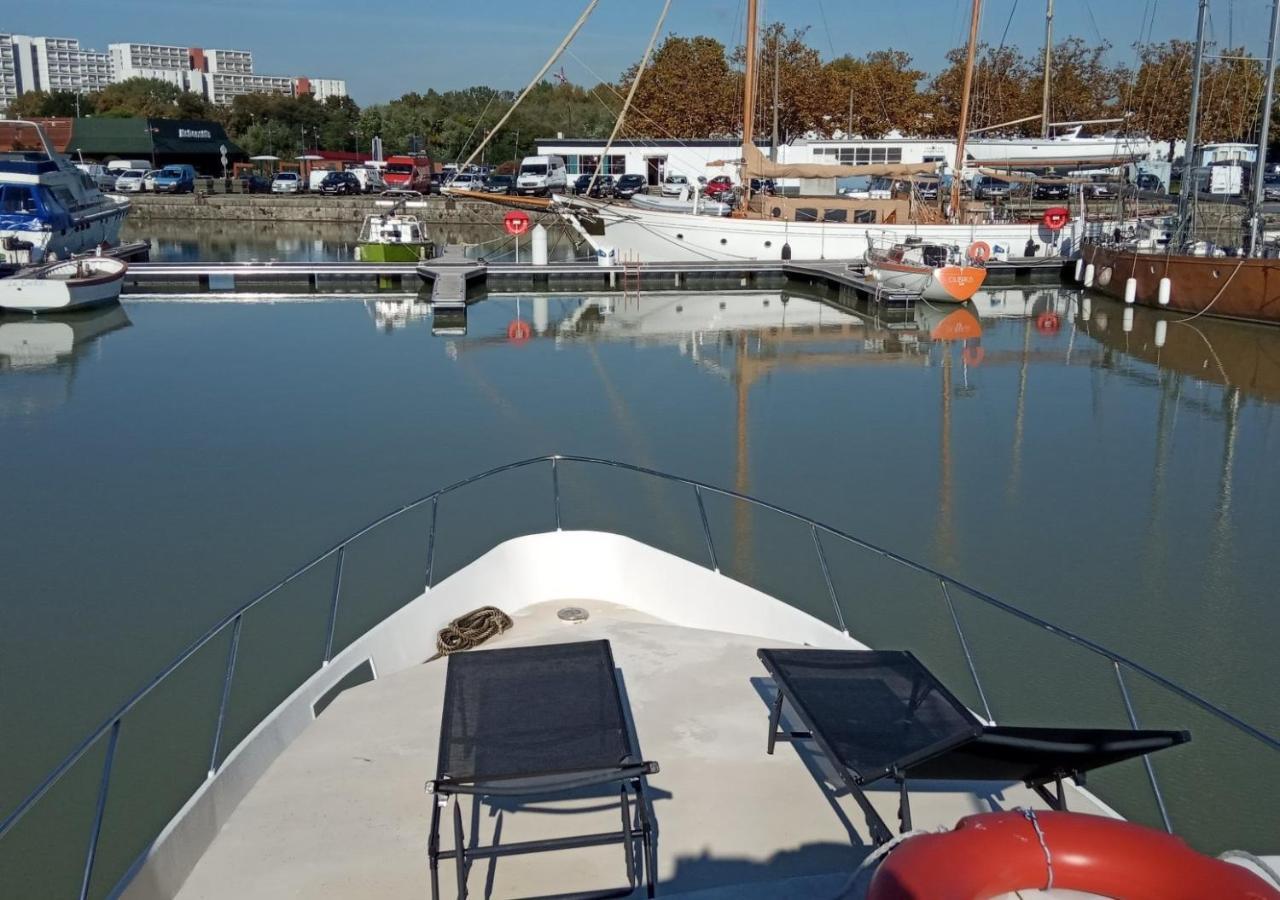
[1055,217]
[979,251]
[991,854]
[519,330]
[1048,323]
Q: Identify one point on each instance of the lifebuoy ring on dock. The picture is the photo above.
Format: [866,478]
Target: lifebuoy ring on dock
[1055,217]
[979,251]
[1048,323]
[973,356]
[519,331]
[991,854]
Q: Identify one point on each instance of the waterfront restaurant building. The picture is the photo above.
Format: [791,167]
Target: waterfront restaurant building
[195,142]
[693,158]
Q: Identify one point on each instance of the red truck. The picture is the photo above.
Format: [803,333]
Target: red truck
[408,173]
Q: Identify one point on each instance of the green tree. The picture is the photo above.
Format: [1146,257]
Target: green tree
[875,95]
[43,103]
[688,90]
[148,98]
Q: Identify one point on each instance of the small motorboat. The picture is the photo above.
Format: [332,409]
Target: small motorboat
[394,236]
[72,284]
[937,272]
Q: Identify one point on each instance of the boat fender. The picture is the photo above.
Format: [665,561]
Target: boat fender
[979,251]
[991,854]
[786,250]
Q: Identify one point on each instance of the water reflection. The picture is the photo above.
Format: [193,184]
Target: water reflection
[45,352]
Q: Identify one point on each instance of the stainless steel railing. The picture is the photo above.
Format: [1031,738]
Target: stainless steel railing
[111,725]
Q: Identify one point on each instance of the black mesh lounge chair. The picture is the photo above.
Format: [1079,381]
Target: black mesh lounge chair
[526,722]
[881,714]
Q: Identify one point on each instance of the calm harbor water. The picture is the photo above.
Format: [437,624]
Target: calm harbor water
[168,459]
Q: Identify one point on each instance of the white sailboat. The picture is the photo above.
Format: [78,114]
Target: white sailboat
[810,227]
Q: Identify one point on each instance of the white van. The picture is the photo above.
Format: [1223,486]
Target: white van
[542,175]
[370,178]
[121,165]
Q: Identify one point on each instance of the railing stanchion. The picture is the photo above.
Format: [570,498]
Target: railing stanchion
[706,529]
[555,486]
[964,645]
[226,694]
[431,540]
[826,576]
[333,607]
[100,810]
[1146,760]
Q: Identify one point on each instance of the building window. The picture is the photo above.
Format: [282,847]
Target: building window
[864,216]
[806,214]
[835,215]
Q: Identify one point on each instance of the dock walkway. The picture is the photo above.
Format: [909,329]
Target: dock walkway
[455,279]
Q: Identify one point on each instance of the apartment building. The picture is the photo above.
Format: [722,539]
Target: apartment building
[61,64]
[8,73]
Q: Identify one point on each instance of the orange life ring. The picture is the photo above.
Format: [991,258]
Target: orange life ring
[973,356]
[1055,217]
[519,330]
[1048,323]
[979,251]
[991,854]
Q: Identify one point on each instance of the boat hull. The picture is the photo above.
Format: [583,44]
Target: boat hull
[946,284]
[652,236]
[1228,287]
[88,232]
[39,292]
[393,253]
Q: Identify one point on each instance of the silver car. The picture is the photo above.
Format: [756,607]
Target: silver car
[130,181]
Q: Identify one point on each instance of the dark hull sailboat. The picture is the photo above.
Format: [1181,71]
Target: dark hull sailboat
[1244,288]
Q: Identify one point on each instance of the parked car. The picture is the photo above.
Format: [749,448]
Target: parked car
[286,183]
[149,179]
[465,181]
[604,186]
[581,183]
[989,188]
[763,186]
[102,177]
[176,179]
[1100,189]
[927,189]
[129,181]
[435,181]
[673,184]
[340,183]
[254,183]
[630,185]
[499,184]
[1271,187]
[1051,191]
[1149,181]
[718,187]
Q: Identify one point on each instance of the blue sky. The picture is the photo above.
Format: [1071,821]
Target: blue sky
[386,49]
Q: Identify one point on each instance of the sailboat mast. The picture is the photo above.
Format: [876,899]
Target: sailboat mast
[749,78]
[776,66]
[1188,189]
[1260,162]
[964,105]
[1048,70]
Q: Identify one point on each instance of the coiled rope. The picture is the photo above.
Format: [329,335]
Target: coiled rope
[470,630]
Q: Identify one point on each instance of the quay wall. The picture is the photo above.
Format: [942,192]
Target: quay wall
[342,210]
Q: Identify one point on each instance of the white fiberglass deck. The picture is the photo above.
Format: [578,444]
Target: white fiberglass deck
[342,812]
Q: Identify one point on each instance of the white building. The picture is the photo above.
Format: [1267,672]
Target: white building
[653,159]
[223,88]
[60,64]
[322,88]
[8,73]
[57,64]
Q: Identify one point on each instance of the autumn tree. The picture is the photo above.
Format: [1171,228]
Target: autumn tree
[803,99]
[688,90]
[1083,85]
[874,95]
[1004,89]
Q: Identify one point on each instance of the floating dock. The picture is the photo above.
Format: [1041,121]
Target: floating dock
[455,280]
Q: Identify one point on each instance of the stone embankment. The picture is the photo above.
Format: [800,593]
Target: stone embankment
[312,208]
